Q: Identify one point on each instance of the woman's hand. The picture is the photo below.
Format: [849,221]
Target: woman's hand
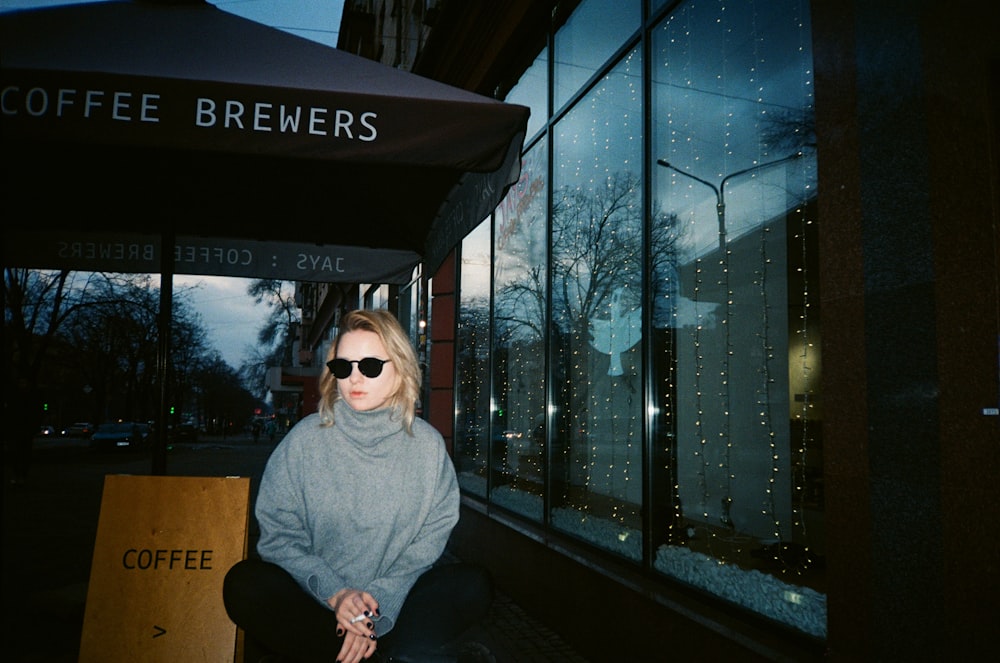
[356,648]
[355,611]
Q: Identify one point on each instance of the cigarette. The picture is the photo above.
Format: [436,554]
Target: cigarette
[355,620]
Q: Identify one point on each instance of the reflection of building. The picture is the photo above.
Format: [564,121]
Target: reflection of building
[653,489]
[294,387]
[293,391]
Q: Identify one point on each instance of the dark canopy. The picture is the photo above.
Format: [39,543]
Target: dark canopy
[189,122]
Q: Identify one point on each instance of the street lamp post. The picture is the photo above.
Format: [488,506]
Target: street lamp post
[720,191]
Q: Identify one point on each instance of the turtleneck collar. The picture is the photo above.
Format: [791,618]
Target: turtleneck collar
[367,428]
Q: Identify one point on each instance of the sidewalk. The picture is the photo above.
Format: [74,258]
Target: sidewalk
[50,525]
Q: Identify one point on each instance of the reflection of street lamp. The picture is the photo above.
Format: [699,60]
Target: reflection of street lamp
[720,191]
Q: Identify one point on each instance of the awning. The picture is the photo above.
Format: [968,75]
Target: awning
[139,118]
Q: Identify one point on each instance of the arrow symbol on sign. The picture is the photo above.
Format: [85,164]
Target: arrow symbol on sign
[160,631]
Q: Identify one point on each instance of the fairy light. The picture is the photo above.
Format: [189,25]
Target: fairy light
[724,433]
[764,386]
[699,406]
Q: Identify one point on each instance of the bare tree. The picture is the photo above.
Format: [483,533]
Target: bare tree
[278,329]
[89,340]
[790,130]
[35,305]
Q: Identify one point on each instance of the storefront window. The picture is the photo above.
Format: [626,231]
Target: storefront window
[520,296]
[532,90]
[472,363]
[735,290]
[597,258]
[589,38]
[677,324]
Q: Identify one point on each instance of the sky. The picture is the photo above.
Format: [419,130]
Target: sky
[230,316]
[227,312]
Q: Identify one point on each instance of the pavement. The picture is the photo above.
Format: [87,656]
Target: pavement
[50,527]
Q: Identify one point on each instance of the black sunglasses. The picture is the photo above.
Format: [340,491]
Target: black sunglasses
[370,367]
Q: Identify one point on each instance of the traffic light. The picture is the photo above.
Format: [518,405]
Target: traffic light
[171,409]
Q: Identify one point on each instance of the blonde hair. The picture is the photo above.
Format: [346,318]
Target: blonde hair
[400,350]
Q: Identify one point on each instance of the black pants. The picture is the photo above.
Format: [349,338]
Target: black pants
[279,617]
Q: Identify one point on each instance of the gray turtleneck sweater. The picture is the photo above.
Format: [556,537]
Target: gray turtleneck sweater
[358,504]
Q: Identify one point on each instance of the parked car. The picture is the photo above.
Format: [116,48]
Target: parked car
[79,429]
[186,432]
[120,435]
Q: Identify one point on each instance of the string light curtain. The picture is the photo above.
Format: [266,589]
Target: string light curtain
[655,349]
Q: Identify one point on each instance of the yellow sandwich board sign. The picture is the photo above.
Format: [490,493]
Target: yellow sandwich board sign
[164,545]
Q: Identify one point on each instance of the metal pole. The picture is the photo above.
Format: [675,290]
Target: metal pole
[720,204]
[159,465]
[720,191]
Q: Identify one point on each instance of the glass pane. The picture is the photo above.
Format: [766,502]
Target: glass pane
[655,5]
[472,363]
[409,314]
[532,91]
[738,494]
[520,299]
[592,34]
[597,271]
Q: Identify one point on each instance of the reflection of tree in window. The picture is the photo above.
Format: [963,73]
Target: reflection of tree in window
[597,270]
[520,272]
[472,364]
